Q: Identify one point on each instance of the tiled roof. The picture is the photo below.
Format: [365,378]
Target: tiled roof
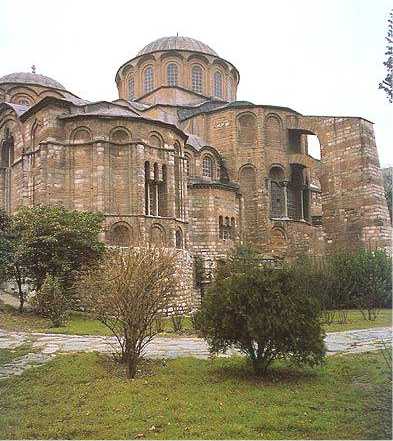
[31,78]
[18,108]
[180,43]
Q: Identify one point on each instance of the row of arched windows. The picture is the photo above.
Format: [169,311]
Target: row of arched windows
[121,235]
[289,199]
[172,79]
[155,190]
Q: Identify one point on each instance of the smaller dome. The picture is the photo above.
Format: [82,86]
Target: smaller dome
[177,43]
[31,78]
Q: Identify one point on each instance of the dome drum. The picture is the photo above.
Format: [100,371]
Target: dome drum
[178,62]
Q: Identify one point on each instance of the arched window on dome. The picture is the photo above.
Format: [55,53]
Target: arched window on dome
[148,80]
[218,84]
[197,79]
[229,90]
[131,88]
[172,74]
[207,167]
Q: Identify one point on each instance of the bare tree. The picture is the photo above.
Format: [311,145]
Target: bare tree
[387,83]
[127,291]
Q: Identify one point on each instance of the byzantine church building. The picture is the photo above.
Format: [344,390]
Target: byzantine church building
[177,160]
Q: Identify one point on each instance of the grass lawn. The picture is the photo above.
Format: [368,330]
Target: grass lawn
[85,396]
[356,321]
[81,324]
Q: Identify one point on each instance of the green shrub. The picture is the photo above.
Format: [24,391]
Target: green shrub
[262,311]
[359,279]
[53,301]
[373,282]
[177,323]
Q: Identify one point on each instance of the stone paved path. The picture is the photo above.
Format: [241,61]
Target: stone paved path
[46,346]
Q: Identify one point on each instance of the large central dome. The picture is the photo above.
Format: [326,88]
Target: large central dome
[177,43]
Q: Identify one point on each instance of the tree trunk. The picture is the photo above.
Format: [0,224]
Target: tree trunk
[132,361]
[21,296]
[260,366]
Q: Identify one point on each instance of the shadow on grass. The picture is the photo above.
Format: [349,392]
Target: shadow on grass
[241,370]
[117,369]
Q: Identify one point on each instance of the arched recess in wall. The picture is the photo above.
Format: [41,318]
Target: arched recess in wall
[22,99]
[34,134]
[273,132]
[278,241]
[247,129]
[120,234]
[52,93]
[155,140]
[120,135]
[248,187]
[277,195]
[81,135]
[157,235]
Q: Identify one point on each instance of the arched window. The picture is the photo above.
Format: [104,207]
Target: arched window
[179,238]
[147,188]
[7,151]
[197,79]
[23,102]
[131,89]
[178,181]
[148,80]
[220,227]
[188,164]
[207,167]
[295,193]
[218,84]
[227,229]
[154,194]
[233,228]
[172,74]
[229,90]
[162,193]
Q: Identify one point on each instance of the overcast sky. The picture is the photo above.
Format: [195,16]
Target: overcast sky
[321,57]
